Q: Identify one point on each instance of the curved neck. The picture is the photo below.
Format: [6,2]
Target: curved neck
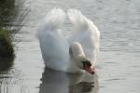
[77,55]
[76,50]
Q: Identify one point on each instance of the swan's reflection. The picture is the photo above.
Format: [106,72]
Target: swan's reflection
[59,82]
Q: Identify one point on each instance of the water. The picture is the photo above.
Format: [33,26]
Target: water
[118,67]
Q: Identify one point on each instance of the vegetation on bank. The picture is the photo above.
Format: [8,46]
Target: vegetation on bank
[6,47]
[11,21]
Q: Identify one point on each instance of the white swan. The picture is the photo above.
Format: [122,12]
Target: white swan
[75,54]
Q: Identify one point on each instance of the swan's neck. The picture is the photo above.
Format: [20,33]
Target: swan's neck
[79,62]
[77,55]
[76,51]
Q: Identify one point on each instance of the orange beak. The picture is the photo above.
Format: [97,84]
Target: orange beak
[89,69]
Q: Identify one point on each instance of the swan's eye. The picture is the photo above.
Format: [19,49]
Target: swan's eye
[86,63]
[87,67]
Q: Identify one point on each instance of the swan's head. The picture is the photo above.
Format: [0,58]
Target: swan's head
[83,63]
[88,66]
[78,56]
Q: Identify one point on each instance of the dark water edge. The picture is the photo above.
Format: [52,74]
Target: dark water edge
[6,63]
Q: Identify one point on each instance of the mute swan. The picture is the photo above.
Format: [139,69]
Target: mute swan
[78,53]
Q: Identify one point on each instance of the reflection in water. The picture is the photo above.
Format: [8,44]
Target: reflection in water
[59,82]
[6,64]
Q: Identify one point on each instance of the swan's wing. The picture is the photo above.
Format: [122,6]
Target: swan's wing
[53,44]
[85,32]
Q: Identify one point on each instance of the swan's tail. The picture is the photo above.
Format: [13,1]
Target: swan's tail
[79,21]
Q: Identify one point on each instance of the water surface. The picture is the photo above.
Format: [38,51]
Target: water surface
[118,67]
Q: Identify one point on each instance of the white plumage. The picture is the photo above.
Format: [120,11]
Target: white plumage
[84,39]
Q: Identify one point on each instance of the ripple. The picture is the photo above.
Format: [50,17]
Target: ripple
[115,79]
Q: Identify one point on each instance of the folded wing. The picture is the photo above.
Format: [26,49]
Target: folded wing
[54,46]
[84,32]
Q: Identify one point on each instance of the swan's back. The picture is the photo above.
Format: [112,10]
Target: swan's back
[54,46]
